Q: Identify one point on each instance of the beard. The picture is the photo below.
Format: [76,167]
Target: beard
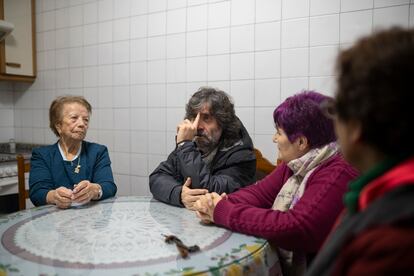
[207,143]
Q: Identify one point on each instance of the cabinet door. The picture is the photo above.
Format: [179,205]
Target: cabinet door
[18,56]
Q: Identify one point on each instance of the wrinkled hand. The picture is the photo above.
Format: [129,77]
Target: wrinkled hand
[85,191]
[61,197]
[190,196]
[205,206]
[187,130]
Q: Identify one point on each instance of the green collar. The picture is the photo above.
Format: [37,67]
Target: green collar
[355,187]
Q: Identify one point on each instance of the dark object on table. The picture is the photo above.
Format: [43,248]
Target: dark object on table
[182,248]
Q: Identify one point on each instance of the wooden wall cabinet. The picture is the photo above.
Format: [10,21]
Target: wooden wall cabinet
[18,50]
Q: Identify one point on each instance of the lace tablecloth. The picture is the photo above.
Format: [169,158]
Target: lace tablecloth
[124,236]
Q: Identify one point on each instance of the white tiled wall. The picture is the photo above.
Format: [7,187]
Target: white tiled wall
[138,62]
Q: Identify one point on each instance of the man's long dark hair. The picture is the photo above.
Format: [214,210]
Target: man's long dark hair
[221,107]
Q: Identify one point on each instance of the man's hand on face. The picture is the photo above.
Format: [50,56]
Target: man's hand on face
[187,130]
[190,196]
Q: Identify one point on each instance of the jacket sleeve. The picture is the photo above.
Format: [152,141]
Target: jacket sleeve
[40,179]
[305,226]
[239,170]
[166,183]
[102,174]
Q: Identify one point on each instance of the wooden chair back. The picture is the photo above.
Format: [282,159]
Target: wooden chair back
[263,166]
[22,168]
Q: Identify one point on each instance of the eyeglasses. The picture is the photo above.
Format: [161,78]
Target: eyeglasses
[328,108]
[182,248]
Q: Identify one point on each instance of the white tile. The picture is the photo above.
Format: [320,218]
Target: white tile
[242,38]
[219,15]
[121,29]
[174,4]
[40,22]
[242,92]
[75,36]
[322,60]
[196,2]
[139,7]
[138,49]
[62,18]
[90,34]
[197,18]
[123,183]
[105,32]
[267,64]
[319,7]
[139,164]
[105,75]
[246,116]
[121,74]
[139,119]
[268,10]
[156,47]
[156,71]
[75,77]
[387,3]
[176,20]
[242,66]
[50,60]
[265,144]
[106,137]
[75,57]
[91,95]
[176,46]
[157,23]
[295,8]
[324,85]
[223,85]
[139,186]
[105,97]
[197,43]
[90,13]
[49,40]
[75,16]
[60,4]
[267,92]
[176,70]
[138,27]
[121,165]
[218,67]
[41,61]
[176,95]
[90,76]
[121,96]
[122,8]
[263,123]
[121,119]
[157,5]
[295,62]
[157,117]
[139,141]
[156,143]
[391,16]
[61,38]
[196,69]
[49,21]
[218,41]
[138,72]
[105,53]
[354,5]
[354,25]
[90,55]
[174,117]
[138,95]
[324,30]
[48,5]
[267,36]
[105,10]
[62,78]
[411,16]
[295,33]
[242,12]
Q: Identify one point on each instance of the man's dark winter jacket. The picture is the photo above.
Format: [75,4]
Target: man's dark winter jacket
[231,169]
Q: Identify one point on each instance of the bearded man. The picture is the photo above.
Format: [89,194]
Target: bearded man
[213,153]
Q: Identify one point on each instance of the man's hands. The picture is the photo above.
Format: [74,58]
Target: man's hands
[187,130]
[190,196]
[206,204]
[82,193]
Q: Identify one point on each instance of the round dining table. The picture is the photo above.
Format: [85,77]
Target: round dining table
[126,236]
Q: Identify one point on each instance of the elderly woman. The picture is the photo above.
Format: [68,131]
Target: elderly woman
[72,171]
[373,112]
[296,205]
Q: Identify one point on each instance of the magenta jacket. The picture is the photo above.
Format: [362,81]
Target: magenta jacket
[306,225]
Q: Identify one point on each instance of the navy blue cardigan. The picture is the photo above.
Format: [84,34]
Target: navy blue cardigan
[49,171]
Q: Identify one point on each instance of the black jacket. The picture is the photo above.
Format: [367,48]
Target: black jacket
[230,169]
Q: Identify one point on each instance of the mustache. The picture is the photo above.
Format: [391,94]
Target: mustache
[200,133]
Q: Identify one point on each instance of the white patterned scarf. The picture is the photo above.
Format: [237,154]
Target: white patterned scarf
[292,191]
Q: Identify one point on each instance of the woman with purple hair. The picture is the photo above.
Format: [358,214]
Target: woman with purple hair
[296,205]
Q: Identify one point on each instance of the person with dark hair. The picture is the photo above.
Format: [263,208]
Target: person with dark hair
[373,117]
[296,205]
[71,171]
[213,153]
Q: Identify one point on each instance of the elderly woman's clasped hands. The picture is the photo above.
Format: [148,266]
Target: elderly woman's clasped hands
[206,204]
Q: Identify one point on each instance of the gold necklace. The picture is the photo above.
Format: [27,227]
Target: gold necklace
[77,169]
